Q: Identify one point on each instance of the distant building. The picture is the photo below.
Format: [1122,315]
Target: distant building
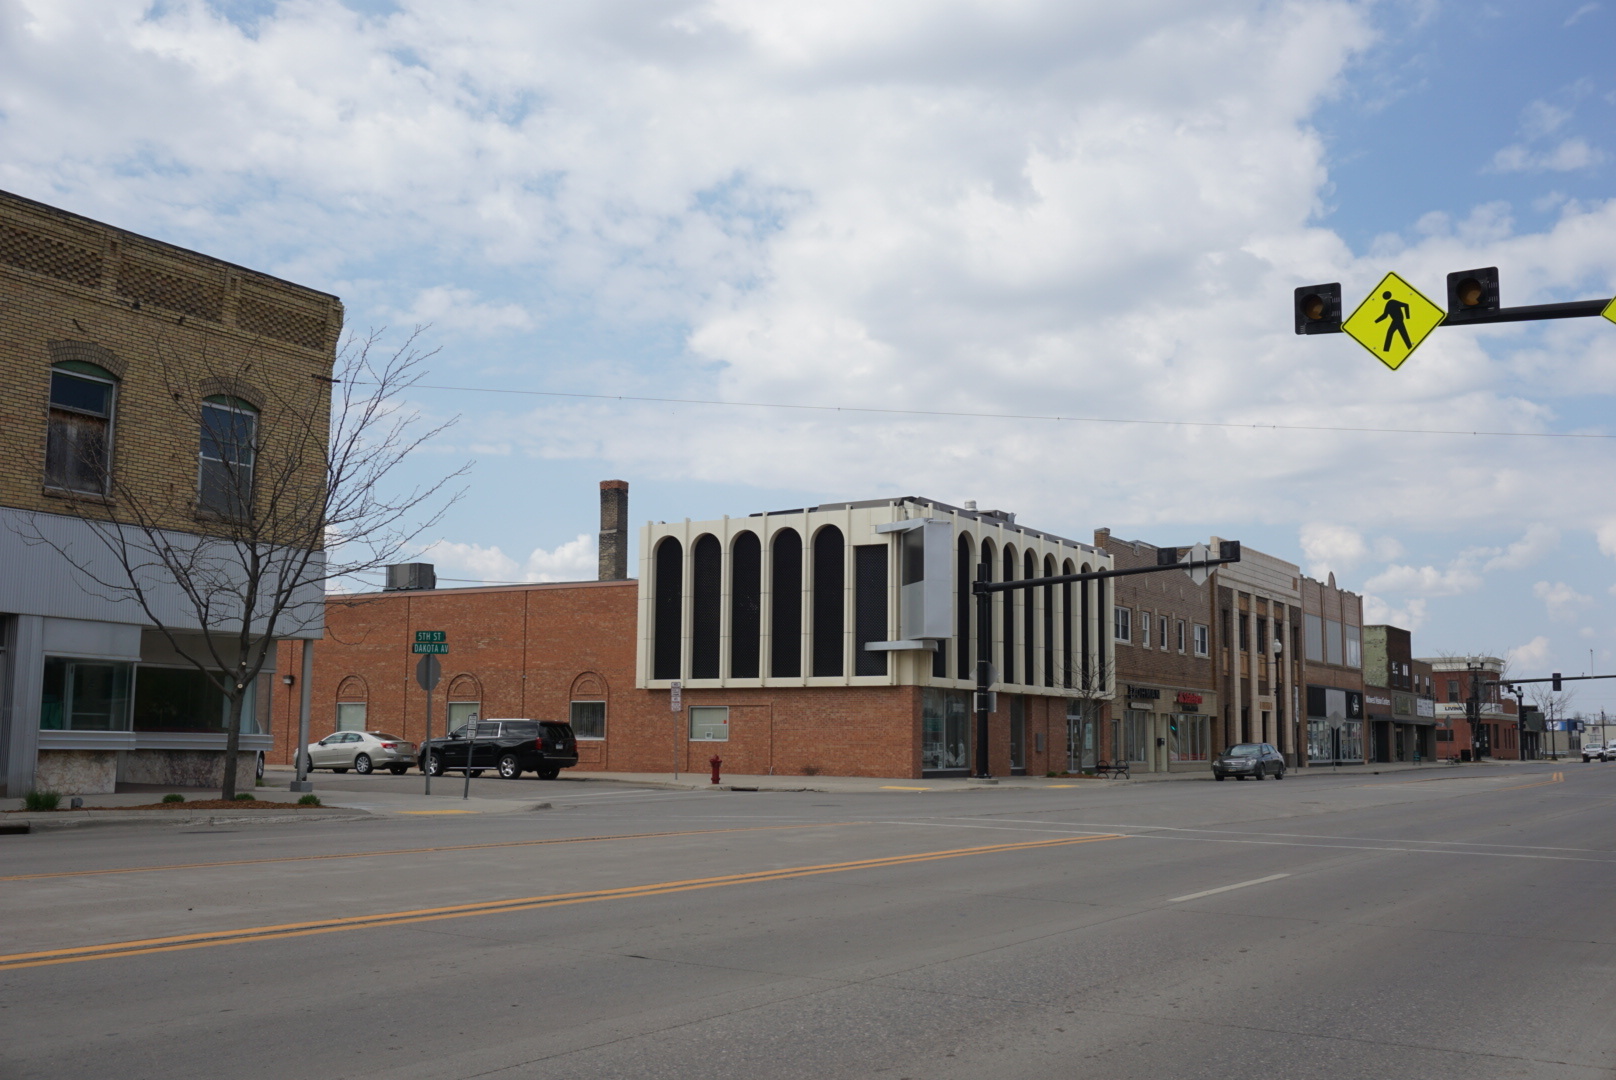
[1166,716]
[1399,729]
[1332,650]
[1255,630]
[110,344]
[1461,679]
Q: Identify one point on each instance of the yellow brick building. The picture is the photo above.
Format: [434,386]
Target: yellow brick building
[136,378]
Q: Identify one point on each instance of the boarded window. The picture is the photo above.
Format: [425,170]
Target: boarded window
[78,444]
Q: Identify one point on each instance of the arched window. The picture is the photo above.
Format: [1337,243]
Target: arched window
[228,447]
[964,604]
[1029,621]
[985,561]
[1049,623]
[78,439]
[465,701]
[706,605]
[1007,620]
[1085,630]
[667,621]
[785,605]
[746,605]
[830,558]
[1068,623]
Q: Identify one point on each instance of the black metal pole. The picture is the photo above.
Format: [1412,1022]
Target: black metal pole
[984,664]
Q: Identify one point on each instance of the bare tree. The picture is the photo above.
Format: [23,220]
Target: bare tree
[1090,688]
[296,488]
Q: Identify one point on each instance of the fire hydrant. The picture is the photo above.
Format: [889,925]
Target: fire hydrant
[715,761]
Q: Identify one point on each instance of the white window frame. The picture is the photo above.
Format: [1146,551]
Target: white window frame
[1144,629]
[111,419]
[1122,625]
[1183,636]
[1162,640]
[714,730]
[1203,643]
[237,470]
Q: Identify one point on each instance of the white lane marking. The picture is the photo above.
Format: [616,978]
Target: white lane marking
[1227,888]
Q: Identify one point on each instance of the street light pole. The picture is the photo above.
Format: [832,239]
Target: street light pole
[1473,710]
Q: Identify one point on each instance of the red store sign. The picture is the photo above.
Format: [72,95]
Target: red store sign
[1187,698]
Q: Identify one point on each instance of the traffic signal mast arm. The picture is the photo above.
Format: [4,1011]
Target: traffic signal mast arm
[1166,559]
[1556,679]
[1473,298]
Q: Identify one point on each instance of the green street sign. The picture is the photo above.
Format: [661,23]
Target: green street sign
[424,636]
[439,648]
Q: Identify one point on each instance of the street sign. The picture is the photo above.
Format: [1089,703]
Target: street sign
[1610,311]
[427,673]
[1198,554]
[439,648]
[424,636]
[1393,320]
[676,696]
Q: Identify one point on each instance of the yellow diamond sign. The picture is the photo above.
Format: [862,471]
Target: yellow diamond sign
[1393,320]
[1610,311]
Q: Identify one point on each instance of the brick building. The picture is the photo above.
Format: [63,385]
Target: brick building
[118,355]
[1397,697]
[837,639]
[1458,680]
[1332,647]
[1167,703]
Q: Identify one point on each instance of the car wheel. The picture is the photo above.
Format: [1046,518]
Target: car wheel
[476,772]
[509,767]
[549,772]
[1280,775]
[260,765]
[361,764]
[398,770]
[1218,777]
[434,765]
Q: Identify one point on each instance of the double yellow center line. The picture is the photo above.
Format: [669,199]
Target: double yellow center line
[148,946]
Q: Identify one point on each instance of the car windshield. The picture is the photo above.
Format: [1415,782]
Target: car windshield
[382,735]
[1245,749]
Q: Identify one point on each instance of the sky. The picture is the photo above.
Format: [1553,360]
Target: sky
[975,216]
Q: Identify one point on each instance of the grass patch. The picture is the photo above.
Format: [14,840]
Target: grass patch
[245,796]
[41,800]
[309,800]
[174,797]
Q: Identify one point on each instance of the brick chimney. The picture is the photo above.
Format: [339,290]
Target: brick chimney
[613,530]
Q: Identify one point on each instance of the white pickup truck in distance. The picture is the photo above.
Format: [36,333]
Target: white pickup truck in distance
[1594,750]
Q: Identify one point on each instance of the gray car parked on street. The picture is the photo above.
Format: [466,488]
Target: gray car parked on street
[1255,760]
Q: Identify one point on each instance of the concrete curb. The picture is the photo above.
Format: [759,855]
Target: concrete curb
[86,819]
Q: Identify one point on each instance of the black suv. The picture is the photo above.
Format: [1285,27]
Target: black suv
[510,747]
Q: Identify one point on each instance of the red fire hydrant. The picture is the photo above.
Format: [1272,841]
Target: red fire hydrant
[715,761]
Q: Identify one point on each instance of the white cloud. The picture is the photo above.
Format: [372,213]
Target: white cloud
[447,308]
[1458,578]
[1571,154]
[1533,656]
[1562,601]
[1605,534]
[1411,616]
[576,560]
[1331,547]
[1577,16]
[1540,539]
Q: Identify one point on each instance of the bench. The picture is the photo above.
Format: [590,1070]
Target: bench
[1117,770]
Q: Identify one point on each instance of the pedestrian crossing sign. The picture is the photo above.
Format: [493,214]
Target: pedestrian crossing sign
[1610,311]
[1393,320]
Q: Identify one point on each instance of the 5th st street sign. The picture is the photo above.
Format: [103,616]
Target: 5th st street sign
[432,642]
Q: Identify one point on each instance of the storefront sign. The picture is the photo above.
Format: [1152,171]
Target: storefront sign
[1376,699]
[1187,698]
[1149,693]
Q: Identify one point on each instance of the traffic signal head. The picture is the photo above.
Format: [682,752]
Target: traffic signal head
[1472,292]
[1555,682]
[1167,556]
[1318,309]
[1229,550]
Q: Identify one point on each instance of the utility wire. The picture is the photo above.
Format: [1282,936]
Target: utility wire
[1021,416]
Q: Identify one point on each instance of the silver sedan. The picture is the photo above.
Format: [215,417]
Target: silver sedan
[363,752]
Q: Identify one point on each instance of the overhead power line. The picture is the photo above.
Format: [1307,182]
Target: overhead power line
[962,414]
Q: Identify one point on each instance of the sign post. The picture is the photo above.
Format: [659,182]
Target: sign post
[676,704]
[431,644]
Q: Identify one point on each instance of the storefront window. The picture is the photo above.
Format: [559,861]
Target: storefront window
[1189,738]
[184,699]
[85,695]
[944,729]
[1130,736]
[709,723]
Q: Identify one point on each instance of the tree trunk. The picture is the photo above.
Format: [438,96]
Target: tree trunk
[232,743]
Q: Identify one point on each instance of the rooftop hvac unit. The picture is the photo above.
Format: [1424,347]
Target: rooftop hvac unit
[411,575]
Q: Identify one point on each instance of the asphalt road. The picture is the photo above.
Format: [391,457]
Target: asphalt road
[1425,925]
